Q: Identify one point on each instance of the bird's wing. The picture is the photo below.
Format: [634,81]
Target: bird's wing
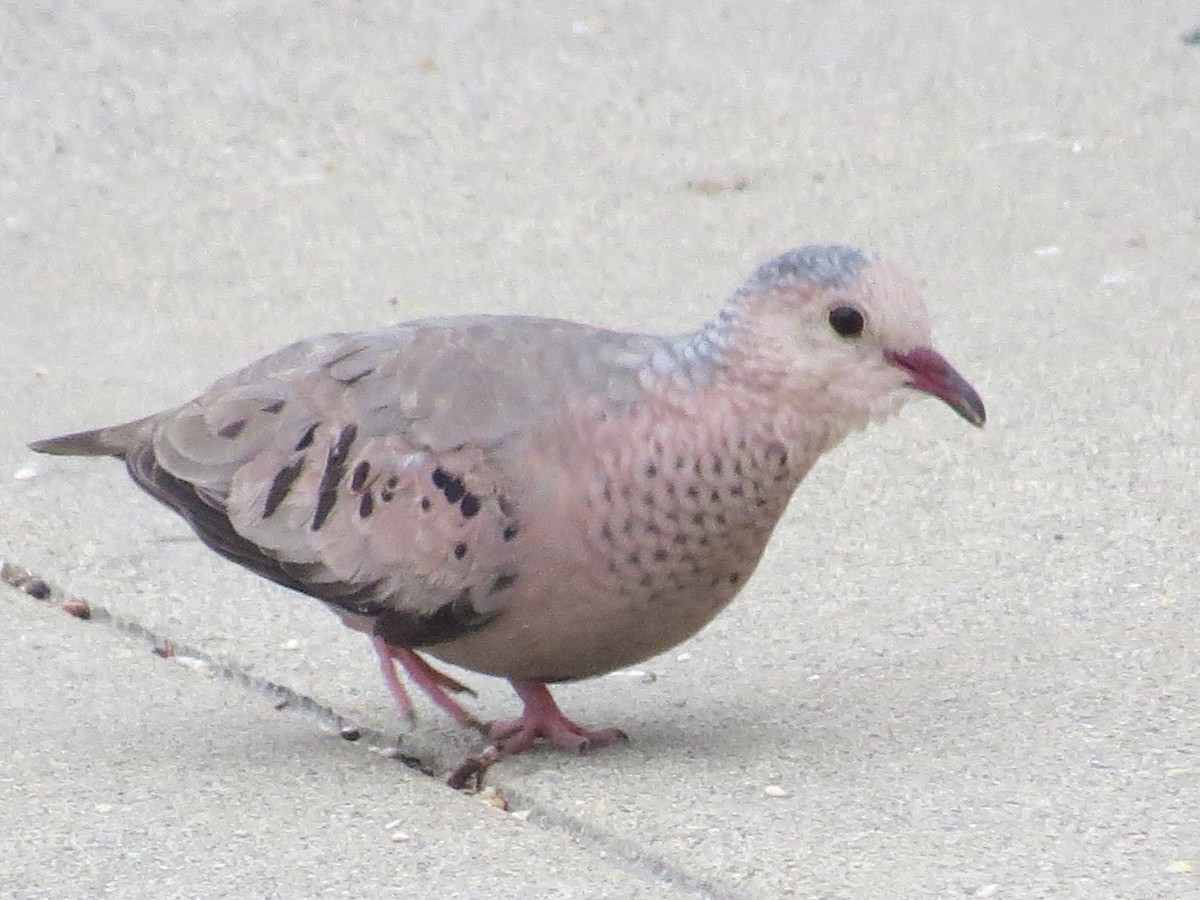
[376,471]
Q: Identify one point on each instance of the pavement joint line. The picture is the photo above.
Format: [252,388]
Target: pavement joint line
[40,589]
[622,853]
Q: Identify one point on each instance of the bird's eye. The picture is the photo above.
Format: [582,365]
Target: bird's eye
[846,321]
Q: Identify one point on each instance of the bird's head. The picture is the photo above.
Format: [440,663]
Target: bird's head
[844,335]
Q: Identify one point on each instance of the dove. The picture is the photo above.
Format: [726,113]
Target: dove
[536,499]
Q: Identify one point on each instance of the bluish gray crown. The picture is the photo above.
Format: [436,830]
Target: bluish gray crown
[826,265]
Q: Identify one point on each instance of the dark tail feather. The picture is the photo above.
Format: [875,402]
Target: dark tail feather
[115,440]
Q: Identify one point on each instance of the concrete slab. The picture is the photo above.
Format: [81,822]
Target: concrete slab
[968,660]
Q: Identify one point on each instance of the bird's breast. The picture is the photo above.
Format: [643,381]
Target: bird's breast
[638,536]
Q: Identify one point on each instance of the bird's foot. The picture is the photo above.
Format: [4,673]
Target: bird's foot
[543,718]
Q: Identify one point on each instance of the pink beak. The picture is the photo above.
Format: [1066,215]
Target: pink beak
[928,371]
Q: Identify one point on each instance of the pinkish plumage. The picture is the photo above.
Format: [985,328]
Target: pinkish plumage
[532,498]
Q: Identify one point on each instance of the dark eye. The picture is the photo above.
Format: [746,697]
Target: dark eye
[846,321]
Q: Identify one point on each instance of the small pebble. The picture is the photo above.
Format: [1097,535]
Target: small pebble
[717,184]
[25,474]
[1182,867]
[682,657]
[393,825]
[78,609]
[521,815]
[400,837]
[774,790]
[350,733]
[492,797]
[1119,276]
[37,589]
[986,890]
[203,666]
[291,644]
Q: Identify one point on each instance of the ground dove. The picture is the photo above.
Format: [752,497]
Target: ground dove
[532,498]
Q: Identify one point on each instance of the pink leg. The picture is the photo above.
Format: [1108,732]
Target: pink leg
[435,684]
[388,669]
[426,677]
[543,718]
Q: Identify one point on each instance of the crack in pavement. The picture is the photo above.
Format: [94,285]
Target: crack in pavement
[624,854]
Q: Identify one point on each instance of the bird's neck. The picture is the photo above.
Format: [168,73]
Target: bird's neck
[724,376]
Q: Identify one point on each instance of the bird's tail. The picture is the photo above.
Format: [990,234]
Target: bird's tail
[115,440]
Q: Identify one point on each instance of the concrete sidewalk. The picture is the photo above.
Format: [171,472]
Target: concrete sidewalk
[967,665]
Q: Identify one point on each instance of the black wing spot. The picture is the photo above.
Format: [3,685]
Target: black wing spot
[366,506]
[358,376]
[469,505]
[460,550]
[335,470]
[275,408]
[426,503]
[359,478]
[233,429]
[306,439]
[281,486]
[502,583]
[450,485]
[660,555]
[511,531]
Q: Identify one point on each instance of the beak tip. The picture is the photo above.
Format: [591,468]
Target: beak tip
[973,410]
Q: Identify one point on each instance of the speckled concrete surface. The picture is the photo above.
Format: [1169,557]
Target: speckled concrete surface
[968,659]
